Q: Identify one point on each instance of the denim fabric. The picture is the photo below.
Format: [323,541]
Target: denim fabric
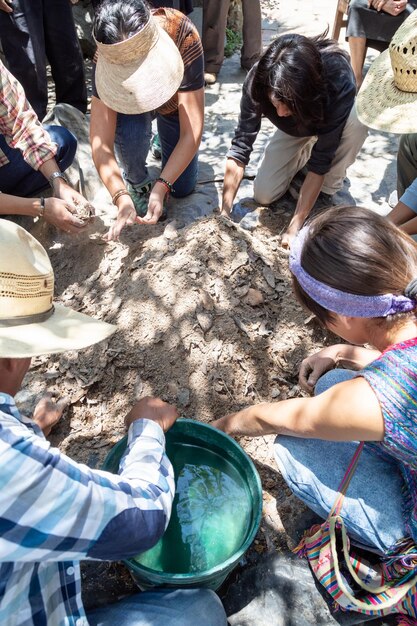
[40,29]
[163,607]
[133,137]
[20,179]
[313,469]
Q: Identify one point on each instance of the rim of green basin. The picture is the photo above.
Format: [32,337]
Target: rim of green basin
[252,480]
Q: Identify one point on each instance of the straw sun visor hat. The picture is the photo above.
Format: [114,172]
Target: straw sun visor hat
[30,324]
[141,73]
[387,100]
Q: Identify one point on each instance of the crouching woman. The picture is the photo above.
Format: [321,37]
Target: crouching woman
[358,275]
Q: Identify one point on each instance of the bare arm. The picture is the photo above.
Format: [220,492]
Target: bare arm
[102,133]
[233,175]
[345,355]
[309,192]
[60,210]
[191,117]
[346,412]
[401,214]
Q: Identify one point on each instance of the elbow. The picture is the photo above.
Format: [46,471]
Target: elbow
[129,533]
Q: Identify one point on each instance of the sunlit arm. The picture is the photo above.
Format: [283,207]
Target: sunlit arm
[348,411]
[233,175]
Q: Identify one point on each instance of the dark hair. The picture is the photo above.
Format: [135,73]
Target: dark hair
[120,20]
[291,70]
[357,251]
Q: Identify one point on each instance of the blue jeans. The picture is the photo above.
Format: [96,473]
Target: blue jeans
[163,607]
[313,469]
[20,179]
[133,137]
[40,29]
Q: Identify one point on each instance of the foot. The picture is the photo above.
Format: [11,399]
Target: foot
[140,197]
[156,150]
[393,199]
[210,78]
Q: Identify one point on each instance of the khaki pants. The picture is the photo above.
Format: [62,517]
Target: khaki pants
[285,155]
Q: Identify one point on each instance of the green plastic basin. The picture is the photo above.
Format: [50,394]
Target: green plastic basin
[216,511]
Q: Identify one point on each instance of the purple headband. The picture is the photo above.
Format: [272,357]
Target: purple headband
[339,301]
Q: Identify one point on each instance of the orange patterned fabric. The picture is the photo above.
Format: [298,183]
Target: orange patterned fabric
[185,36]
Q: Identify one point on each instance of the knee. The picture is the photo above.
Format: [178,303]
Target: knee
[332,377]
[185,185]
[206,610]
[265,196]
[67,145]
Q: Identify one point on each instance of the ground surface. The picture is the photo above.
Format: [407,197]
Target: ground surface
[204,309]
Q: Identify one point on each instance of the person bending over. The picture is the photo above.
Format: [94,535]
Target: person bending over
[149,65]
[306,88]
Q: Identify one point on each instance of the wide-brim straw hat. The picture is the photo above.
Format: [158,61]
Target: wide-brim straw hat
[141,73]
[30,323]
[387,99]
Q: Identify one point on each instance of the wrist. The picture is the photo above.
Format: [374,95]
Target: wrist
[56,179]
[163,184]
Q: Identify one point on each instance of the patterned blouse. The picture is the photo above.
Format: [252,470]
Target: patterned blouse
[393,378]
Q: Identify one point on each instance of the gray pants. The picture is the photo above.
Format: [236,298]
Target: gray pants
[406,162]
[214,30]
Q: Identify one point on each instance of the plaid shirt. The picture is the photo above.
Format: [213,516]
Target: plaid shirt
[19,124]
[54,512]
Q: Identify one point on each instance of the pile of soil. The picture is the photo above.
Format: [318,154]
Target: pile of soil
[206,320]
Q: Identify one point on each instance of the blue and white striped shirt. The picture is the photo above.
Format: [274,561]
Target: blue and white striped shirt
[55,512]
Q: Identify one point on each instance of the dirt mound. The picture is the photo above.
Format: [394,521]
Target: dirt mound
[206,319]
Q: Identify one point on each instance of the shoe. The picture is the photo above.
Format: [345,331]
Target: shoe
[156,149]
[210,78]
[393,199]
[140,197]
[324,200]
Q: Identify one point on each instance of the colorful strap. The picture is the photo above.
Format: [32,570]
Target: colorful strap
[346,481]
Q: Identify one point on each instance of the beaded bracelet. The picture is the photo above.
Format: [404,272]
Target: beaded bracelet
[169,186]
[119,194]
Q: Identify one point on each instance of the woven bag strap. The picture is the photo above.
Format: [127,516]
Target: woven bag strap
[337,506]
[395,595]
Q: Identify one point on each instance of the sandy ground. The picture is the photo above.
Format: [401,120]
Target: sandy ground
[204,309]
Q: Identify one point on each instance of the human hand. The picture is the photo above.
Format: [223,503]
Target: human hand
[63,215]
[153,409]
[315,366]
[392,7]
[84,210]
[155,205]
[5,5]
[291,232]
[47,412]
[125,217]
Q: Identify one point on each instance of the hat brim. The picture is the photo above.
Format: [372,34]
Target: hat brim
[144,85]
[64,330]
[381,105]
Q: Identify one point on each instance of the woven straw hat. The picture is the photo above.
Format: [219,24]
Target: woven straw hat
[387,99]
[141,73]
[30,324]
